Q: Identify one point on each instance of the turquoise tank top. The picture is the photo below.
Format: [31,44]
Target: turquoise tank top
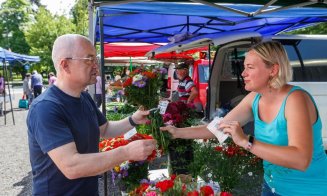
[286,181]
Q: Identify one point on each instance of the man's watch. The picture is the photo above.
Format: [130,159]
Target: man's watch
[250,143]
[131,121]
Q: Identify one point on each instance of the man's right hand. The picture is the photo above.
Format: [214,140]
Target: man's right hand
[139,150]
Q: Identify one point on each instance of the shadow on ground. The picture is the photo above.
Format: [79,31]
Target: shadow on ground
[26,183]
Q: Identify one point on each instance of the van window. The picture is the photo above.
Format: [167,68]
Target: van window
[313,53]
[203,73]
[233,63]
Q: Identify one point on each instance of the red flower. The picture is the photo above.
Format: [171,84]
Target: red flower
[165,185]
[206,191]
[149,75]
[193,193]
[219,148]
[128,82]
[141,189]
[225,194]
[173,177]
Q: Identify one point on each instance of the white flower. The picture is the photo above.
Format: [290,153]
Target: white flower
[209,175]
[137,77]
[250,173]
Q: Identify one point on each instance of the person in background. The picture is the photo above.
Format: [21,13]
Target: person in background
[287,125]
[186,89]
[2,92]
[37,83]
[65,126]
[27,88]
[98,91]
[52,78]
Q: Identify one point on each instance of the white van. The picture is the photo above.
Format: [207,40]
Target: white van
[308,57]
[307,54]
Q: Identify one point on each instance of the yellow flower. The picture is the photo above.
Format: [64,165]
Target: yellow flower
[117,169]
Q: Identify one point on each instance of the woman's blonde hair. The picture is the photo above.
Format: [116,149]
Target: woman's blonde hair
[272,53]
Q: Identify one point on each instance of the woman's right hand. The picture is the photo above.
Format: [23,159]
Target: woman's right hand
[171,129]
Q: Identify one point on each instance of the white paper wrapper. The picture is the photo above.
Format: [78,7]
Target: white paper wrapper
[213,128]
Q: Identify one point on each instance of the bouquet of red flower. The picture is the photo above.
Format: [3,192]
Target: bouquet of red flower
[180,114]
[142,89]
[172,186]
[227,164]
[129,173]
[142,86]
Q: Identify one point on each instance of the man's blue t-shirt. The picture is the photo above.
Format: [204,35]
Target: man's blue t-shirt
[56,119]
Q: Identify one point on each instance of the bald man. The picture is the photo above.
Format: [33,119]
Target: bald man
[64,127]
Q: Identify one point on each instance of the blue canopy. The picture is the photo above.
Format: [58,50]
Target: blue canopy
[11,56]
[155,22]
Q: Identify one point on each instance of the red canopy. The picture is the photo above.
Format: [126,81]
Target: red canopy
[121,50]
[140,49]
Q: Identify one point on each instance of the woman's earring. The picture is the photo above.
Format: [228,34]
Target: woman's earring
[269,83]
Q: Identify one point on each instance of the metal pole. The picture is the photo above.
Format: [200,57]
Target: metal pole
[105,180]
[9,93]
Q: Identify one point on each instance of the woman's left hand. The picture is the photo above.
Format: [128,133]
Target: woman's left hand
[140,117]
[234,129]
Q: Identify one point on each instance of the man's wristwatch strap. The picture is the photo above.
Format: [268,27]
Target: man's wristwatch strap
[131,121]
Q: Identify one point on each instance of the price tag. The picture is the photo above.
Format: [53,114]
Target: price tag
[163,106]
[213,128]
[130,134]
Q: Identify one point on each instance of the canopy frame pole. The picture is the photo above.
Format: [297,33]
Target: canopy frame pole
[105,175]
[222,7]
[9,93]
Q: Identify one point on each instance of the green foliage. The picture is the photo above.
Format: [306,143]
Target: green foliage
[14,16]
[80,17]
[42,34]
[319,29]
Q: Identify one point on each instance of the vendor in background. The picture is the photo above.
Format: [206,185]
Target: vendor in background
[186,89]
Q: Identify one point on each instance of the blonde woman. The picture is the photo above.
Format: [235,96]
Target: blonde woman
[287,125]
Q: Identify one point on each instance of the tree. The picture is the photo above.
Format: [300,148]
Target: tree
[43,33]
[14,18]
[80,17]
[319,29]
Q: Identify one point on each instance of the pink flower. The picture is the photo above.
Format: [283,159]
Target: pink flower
[152,193]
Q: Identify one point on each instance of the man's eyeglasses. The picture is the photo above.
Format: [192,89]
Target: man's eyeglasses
[89,60]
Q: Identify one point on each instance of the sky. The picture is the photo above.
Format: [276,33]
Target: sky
[60,7]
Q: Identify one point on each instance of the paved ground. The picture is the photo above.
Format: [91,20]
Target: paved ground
[15,175]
